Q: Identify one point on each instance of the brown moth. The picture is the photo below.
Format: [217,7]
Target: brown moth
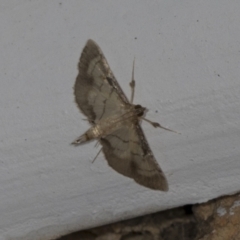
[115,120]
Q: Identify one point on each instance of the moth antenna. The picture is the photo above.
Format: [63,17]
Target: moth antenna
[155,124]
[132,83]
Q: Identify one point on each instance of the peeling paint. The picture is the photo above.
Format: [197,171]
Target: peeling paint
[221,211]
[235,204]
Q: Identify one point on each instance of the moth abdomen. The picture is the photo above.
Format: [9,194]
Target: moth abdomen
[83,138]
[92,133]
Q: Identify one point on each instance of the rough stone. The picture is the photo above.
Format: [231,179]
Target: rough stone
[217,219]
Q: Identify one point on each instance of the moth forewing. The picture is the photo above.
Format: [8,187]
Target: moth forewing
[115,121]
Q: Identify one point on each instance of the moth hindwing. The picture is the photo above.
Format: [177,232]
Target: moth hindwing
[114,120]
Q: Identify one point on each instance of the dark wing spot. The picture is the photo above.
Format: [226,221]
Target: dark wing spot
[110,81]
[104,108]
[125,141]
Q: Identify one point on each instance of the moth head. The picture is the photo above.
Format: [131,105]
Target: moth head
[139,110]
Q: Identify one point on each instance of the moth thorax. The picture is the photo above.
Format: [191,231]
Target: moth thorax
[139,110]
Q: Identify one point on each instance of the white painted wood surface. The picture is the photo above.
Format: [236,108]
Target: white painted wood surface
[188,76]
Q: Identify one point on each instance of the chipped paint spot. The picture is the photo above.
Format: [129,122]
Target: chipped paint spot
[221,211]
[235,204]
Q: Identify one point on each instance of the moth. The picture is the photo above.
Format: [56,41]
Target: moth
[115,121]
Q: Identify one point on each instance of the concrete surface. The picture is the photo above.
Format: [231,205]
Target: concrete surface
[187,72]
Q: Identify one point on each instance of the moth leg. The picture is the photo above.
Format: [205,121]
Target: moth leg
[97,144]
[96,155]
[132,83]
[155,124]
